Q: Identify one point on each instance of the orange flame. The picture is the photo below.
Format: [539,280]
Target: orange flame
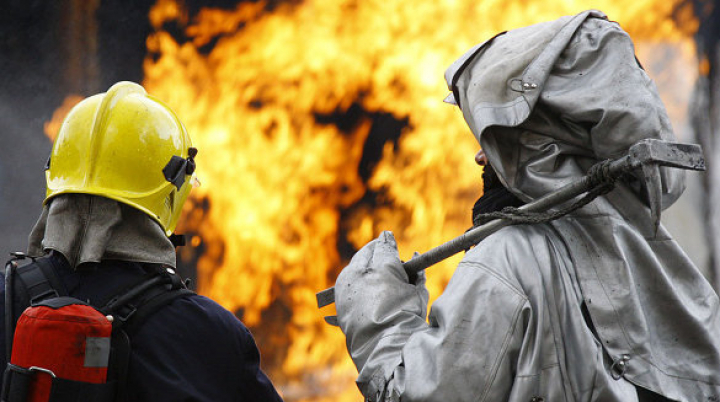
[52,127]
[281,101]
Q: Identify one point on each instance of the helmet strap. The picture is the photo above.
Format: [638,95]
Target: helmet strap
[178,240]
[177,168]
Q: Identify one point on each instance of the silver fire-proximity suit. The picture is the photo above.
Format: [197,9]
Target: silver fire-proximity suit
[593,306]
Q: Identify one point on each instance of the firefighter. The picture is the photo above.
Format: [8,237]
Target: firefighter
[119,173]
[594,306]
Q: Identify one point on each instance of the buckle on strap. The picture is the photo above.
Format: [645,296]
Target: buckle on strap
[17,381]
[619,366]
[46,294]
[30,371]
[42,370]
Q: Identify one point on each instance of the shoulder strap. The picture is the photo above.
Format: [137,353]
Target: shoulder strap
[132,306]
[40,281]
[130,309]
[152,306]
[60,302]
[10,268]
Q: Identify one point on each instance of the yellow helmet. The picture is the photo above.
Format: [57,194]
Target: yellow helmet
[125,145]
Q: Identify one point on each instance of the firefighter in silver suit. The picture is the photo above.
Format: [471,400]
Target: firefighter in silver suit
[594,306]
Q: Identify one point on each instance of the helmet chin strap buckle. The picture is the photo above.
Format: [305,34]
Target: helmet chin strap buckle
[177,168]
[190,167]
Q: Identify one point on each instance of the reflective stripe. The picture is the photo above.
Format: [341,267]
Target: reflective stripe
[97,352]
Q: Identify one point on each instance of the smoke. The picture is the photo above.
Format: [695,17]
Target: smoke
[49,50]
[705,115]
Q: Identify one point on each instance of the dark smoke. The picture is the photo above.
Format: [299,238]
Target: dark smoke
[705,115]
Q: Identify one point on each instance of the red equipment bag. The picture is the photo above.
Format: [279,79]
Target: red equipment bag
[61,338]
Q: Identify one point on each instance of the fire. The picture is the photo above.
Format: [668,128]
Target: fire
[52,127]
[321,123]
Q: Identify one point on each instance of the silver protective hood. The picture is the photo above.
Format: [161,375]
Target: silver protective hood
[595,104]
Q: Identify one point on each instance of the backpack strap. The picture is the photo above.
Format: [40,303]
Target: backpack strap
[133,305]
[120,355]
[40,281]
[18,380]
[59,302]
[130,309]
[120,349]
[151,306]
[10,268]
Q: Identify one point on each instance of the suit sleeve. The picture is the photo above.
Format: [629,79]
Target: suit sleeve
[466,352]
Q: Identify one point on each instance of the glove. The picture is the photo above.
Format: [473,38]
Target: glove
[378,309]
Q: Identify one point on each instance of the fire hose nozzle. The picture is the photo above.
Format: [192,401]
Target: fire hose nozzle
[645,156]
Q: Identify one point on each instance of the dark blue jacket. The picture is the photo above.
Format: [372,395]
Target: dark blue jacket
[190,350]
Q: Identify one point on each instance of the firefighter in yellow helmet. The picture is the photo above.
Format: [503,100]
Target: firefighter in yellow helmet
[118,175]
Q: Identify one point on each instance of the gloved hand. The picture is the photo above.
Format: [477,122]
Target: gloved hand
[378,309]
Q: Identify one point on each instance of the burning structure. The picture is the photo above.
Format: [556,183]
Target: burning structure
[320,124]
